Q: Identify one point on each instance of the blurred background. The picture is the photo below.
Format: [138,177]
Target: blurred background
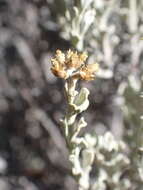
[33,155]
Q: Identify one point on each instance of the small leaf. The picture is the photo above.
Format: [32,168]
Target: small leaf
[88,157]
[81,101]
[81,97]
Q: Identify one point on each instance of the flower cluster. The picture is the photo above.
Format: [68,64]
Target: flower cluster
[72,64]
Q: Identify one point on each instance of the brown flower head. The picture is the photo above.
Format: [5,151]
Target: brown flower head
[72,64]
[75,60]
[58,67]
[63,65]
[87,72]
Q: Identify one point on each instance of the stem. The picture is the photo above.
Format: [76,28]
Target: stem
[70,117]
[69,124]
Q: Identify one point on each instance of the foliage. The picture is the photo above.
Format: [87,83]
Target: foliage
[111,32]
[32,148]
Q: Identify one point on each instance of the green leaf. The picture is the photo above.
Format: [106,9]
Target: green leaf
[81,101]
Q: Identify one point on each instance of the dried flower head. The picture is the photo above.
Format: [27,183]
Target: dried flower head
[58,68]
[72,64]
[87,72]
